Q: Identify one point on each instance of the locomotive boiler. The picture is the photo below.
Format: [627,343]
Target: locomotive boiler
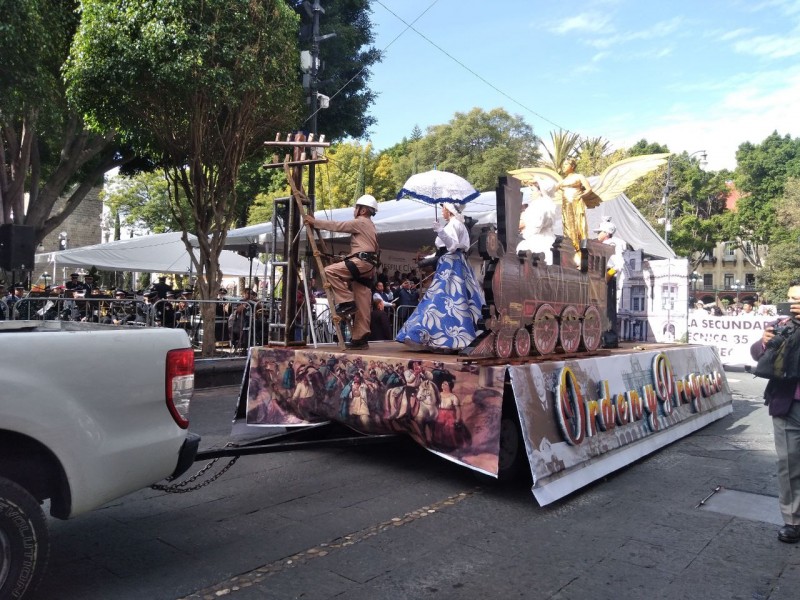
[534,308]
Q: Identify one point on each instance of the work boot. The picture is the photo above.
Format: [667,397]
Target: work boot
[789,534]
[359,344]
[345,308]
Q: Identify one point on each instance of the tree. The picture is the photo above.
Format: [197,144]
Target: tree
[352,170]
[142,202]
[45,149]
[477,145]
[594,155]
[783,262]
[563,145]
[761,174]
[696,205]
[198,85]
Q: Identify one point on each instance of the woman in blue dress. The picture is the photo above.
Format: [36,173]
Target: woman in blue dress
[445,318]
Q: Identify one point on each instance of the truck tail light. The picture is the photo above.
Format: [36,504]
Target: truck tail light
[180,384]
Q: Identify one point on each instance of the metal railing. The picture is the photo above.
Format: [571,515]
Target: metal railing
[238,324]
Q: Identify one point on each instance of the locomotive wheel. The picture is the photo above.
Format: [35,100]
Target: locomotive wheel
[544,332]
[569,333]
[592,329]
[522,342]
[504,344]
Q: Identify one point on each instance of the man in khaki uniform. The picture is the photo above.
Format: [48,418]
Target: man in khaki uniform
[351,279]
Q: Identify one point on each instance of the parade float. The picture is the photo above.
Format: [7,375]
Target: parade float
[546,387]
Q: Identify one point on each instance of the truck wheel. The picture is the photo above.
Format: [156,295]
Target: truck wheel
[24,542]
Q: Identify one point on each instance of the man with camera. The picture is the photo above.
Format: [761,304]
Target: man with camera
[782,396]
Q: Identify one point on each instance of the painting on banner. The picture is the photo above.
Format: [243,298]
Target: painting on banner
[452,410]
[583,419]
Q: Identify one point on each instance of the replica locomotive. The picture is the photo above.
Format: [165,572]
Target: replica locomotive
[534,308]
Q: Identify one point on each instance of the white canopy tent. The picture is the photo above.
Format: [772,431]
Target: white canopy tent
[406,225]
[161,253]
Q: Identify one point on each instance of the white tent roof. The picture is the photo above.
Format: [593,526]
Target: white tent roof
[161,253]
[397,221]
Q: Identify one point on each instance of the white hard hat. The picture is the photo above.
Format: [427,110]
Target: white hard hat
[367,200]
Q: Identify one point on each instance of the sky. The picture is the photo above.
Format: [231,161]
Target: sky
[696,75]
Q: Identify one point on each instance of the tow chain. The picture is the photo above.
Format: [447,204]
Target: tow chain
[180,487]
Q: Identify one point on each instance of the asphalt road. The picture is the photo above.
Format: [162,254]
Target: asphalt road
[393,521]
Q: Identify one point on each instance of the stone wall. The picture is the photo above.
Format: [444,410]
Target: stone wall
[83,228]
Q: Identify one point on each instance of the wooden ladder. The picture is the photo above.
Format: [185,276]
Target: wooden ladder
[316,243]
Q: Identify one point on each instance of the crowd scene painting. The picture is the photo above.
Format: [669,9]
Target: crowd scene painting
[451,409]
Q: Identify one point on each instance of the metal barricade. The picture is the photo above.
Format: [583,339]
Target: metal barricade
[238,324]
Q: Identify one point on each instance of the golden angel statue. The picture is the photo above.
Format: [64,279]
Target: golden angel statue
[577,192]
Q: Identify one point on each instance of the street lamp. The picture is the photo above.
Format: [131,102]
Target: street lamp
[668,185]
[738,288]
[695,277]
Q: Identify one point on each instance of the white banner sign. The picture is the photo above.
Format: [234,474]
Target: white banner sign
[731,335]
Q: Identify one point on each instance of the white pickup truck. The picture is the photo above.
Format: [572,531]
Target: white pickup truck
[88,413]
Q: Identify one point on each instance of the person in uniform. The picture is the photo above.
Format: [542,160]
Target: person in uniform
[162,287]
[73,283]
[351,279]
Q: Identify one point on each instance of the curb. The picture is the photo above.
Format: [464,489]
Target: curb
[216,372]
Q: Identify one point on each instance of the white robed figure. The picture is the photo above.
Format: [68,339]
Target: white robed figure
[536,224]
[446,317]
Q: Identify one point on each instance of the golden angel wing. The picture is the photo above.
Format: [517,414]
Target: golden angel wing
[619,176]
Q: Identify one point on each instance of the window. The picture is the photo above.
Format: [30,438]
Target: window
[708,281]
[729,251]
[728,279]
[668,294]
[638,298]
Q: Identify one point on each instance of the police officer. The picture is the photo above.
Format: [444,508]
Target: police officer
[162,287]
[73,283]
[351,280]
[120,310]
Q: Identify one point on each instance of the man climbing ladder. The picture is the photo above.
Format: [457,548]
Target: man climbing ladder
[351,279]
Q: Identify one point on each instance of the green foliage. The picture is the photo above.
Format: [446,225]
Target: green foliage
[761,174]
[478,145]
[45,149]
[563,145]
[142,202]
[164,71]
[34,40]
[347,60]
[782,265]
[353,170]
[197,85]
[595,155]
[643,147]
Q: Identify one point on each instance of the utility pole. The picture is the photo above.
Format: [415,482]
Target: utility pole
[314,11]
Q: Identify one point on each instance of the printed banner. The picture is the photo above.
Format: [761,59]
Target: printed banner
[453,409]
[731,335]
[585,418]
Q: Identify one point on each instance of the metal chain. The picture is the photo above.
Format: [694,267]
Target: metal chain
[180,487]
